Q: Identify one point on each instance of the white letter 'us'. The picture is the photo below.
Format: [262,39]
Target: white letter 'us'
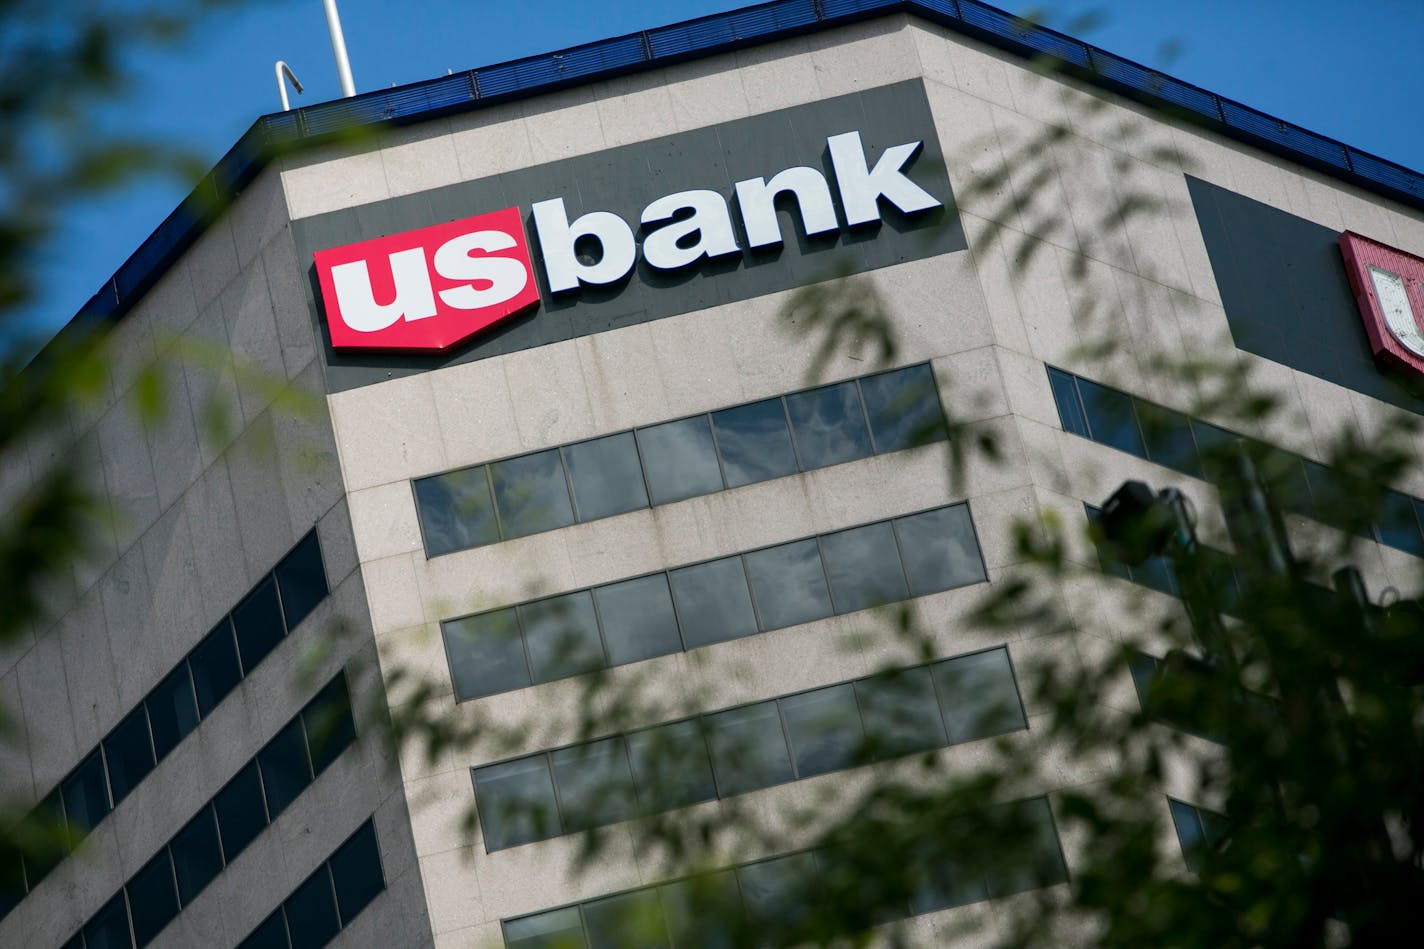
[414,297]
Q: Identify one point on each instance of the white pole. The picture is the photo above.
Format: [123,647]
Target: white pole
[280,68]
[338,48]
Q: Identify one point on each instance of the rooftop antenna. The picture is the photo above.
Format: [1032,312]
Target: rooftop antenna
[280,69]
[338,48]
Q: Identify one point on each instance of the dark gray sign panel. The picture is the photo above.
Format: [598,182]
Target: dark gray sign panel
[624,180]
[1286,295]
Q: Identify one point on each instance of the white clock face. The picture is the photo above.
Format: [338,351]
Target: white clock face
[1398,314]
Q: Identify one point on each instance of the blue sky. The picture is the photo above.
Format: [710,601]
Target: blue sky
[1348,70]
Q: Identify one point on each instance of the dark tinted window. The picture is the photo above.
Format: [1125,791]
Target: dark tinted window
[197,855]
[272,934]
[561,635]
[109,928]
[670,766]
[86,800]
[516,802]
[1168,435]
[152,898]
[241,815]
[712,602]
[595,784]
[900,713]
[864,567]
[606,476]
[978,696]
[356,873]
[258,623]
[456,511]
[829,425]
[129,753]
[824,729]
[626,921]
[215,667]
[638,619]
[285,770]
[486,654]
[311,912]
[172,713]
[531,494]
[903,406]
[1110,417]
[748,748]
[701,911]
[789,584]
[559,929]
[1070,410]
[680,460]
[940,550]
[1038,861]
[301,578]
[754,442]
[329,725]
[1398,526]
[775,891]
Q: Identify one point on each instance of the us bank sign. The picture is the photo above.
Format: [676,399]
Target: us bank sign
[700,218]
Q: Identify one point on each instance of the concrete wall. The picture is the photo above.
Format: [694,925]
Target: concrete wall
[239,464]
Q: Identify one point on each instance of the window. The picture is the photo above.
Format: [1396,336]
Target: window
[713,602]
[240,811]
[215,667]
[285,769]
[864,567]
[638,619]
[754,442]
[561,636]
[86,799]
[606,476]
[712,910]
[531,494]
[486,654]
[829,424]
[356,872]
[257,621]
[745,748]
[789,584]
[701,604]
[1197,449]
[903,408]
[311,912]
[221,830]
[1198,830]
[456,510]
[680,459]
[128,752]
[824,728]
[301,579]
[748,748]
[172,711]
[516,802]
[153,901]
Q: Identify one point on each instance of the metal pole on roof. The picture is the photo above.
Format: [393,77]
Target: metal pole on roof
[338,48]
[282,68]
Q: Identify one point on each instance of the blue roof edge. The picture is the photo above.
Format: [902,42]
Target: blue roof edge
[275,134]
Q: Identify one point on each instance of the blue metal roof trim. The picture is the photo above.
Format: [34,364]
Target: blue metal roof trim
[273,134]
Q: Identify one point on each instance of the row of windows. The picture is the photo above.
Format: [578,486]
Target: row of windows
[1198,830]
[719,754]
[1190,446]
[770,895]
[225,825]
[328,900]
[187,695]
[710,602]
[671,461]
